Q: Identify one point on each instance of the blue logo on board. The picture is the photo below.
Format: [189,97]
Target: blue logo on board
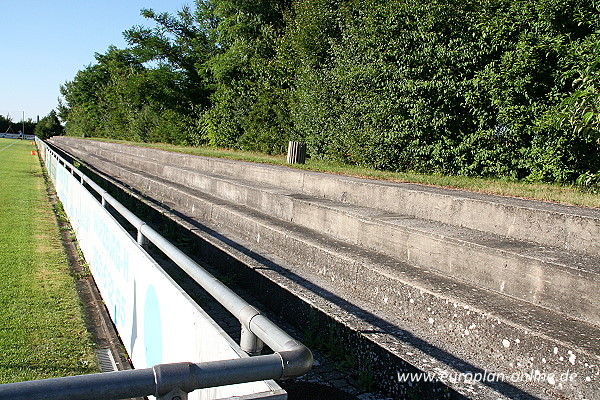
[152,328]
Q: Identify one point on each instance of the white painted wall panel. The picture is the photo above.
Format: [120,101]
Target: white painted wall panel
[157,321]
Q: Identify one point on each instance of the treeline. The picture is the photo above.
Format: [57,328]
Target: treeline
[48,126]
[7,125]
[484,88]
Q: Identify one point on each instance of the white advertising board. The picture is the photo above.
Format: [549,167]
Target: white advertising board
[157,321]
[16,136]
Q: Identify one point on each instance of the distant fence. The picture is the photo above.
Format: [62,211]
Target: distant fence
[16,136]
[157,321]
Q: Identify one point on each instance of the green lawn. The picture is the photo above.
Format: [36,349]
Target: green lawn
[42,331]
[539,191]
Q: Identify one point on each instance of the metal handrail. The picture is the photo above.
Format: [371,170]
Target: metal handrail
[169,381]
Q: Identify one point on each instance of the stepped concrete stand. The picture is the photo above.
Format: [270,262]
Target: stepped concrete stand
[450,282]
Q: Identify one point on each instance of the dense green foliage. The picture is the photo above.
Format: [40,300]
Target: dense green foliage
[481,88]
[49,126]
[8,125]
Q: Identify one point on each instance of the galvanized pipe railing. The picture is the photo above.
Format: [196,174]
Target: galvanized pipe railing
[165,381]
[172,381]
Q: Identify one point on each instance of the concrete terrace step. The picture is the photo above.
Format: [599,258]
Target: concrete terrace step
[567,227]
[456,322]
[542,275]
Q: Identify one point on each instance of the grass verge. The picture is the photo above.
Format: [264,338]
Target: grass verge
[42,330]
[565,194]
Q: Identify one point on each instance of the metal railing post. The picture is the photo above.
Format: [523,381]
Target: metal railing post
[141,239]
[249,342]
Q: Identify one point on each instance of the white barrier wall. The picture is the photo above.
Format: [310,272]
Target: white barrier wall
[157,321]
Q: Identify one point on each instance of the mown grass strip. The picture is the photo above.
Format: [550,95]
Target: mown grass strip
[42,330]
[538,191]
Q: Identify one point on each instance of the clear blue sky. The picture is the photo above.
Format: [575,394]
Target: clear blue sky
[45,42]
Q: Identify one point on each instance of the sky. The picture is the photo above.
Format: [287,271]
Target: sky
[45,42]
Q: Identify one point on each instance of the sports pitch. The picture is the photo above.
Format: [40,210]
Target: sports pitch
[42,330]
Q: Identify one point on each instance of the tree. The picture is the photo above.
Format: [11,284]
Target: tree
[180,43]
[5,123]
[252,77]
[49,126]
[483,88]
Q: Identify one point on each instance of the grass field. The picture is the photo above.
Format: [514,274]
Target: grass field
[539,191]
[42,331]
